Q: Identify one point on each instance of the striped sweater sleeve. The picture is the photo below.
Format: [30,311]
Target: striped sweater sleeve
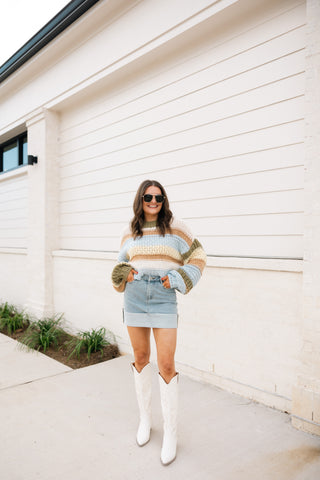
[122,269]
[194,260]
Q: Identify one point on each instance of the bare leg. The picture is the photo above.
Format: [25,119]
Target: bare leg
[166,341]
[140,341]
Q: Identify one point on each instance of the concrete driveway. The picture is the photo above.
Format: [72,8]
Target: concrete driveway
[58,423]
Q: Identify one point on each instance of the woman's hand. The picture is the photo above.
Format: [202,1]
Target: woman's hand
[166,282]
[131,276]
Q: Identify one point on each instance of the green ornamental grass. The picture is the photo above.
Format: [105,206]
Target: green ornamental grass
[43,333]
[90,341]
[11,319]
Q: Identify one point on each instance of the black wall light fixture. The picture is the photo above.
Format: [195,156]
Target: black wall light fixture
[32,159]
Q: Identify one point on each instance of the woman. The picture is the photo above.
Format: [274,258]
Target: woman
[158,256]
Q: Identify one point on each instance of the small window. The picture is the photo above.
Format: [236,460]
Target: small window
[14,153]
[24,150]
[10,156]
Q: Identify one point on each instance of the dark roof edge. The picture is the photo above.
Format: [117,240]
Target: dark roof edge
[69,14]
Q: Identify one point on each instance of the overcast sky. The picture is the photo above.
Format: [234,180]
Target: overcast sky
[21,19]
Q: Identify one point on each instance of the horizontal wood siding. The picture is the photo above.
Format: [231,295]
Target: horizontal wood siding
[13,212]
[221,128]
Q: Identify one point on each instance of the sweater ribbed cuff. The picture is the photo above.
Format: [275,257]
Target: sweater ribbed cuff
[120,273]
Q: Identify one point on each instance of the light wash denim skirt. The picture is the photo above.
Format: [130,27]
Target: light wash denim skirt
[147,303]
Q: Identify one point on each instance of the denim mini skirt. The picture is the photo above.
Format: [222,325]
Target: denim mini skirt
[147,303]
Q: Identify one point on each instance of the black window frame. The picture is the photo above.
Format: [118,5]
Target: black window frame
[20,140]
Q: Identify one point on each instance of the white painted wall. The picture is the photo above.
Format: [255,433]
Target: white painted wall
[14,237]
[13,277]
[13,209]
[306,392]
[220,124]
[238,329]
[210,102]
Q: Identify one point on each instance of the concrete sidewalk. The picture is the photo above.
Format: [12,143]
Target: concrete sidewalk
[81,424]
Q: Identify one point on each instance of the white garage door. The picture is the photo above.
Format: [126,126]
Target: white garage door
[219,121]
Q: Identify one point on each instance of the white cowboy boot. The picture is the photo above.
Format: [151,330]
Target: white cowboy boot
[169,404]
[142,382]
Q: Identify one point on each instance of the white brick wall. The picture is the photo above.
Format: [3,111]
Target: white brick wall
[42,210]
[306,394]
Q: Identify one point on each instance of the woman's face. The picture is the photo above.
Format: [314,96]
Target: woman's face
[152,208]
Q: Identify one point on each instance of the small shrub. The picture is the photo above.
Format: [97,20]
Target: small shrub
[89,342]
[43,333]
[11,319]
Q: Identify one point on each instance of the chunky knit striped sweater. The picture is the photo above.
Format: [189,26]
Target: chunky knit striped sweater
[177,254]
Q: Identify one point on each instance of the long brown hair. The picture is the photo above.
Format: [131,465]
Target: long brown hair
[164,216]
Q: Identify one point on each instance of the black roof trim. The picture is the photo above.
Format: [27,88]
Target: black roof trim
[69,14]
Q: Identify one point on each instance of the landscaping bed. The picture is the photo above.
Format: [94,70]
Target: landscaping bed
[83,350]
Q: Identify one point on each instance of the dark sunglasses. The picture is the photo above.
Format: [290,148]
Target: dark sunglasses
[148,198]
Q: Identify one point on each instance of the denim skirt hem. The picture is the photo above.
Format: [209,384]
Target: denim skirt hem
[153,320]
[148,304]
